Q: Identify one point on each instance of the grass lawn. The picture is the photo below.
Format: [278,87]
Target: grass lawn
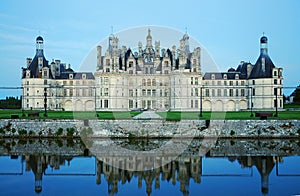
[285,106]
[244,115]
[6,114]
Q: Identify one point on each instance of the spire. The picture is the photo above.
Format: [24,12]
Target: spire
[149,38]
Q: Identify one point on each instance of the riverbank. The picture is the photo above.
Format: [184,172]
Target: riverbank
[150,128]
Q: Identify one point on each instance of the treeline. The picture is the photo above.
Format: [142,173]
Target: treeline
[10,103]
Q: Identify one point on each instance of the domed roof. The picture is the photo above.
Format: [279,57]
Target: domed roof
[39,38]
[231,70]
[263,40]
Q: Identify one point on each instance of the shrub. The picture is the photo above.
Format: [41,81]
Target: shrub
[31,132]
[59,131]
[70,132]
[22,132]
[232,133]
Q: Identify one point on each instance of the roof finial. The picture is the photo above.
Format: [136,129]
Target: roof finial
[185,30]
[263,33]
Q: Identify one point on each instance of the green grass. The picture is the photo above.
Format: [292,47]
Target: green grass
[243,115]
[6,114]
[292,105]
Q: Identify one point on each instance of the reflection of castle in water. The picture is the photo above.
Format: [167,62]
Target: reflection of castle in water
[181,170]
[39,163]
[40,156]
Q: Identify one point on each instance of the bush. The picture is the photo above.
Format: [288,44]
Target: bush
[70,132]
[232,133]
[59,131]
[22,132]
[31,133]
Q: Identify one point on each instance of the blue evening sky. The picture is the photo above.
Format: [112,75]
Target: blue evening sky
[230,30]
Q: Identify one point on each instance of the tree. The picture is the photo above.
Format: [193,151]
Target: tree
[296,99]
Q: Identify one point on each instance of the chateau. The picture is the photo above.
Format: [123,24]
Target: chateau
[151,78]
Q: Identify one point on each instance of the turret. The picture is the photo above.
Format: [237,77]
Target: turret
[99,56]
[264,45]
[149,39]
[39,45]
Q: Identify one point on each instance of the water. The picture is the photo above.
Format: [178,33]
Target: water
[230,167]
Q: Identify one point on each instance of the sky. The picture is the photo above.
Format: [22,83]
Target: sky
[229,30]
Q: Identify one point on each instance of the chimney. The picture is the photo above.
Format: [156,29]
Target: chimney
[28,61]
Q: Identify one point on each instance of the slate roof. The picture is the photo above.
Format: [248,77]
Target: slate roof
[260,71]
[34,67]
[220,75]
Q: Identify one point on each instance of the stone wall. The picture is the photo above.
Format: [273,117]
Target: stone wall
[151,128]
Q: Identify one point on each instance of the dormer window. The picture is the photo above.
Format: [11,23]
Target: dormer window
[83,76]
[236,76]
[27,74]
[130,63]
[212,76]
[166,63]
[225,76]
[275,73]
[71,76]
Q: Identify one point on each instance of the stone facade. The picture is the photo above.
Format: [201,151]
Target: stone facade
[55,85]
[154,78]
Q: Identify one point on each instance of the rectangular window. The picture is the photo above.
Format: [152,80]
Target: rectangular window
[213,92]
[166,71]
[196,81]
[242,92]
[225,83]
[130,103]
[196,104]
[148,92]
[225,92]
[153,93]
[253,82]
[230,92]
[105,103]
[106,92]
[219,83]
[219,92]
[196,92]
[192,103]
[130,63]
[231,83]
[236,83]
[242,83]
[275,81]
[143,104]
[253,91]
[107,61]
[207,92]
[105,80]
[275,91]
[192,80]
[130,92]
[237,92]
